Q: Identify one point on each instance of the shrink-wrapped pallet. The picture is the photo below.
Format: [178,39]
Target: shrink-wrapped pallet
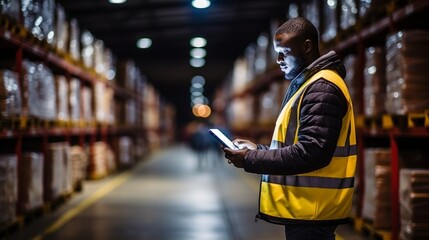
[406,72]
[124,149]
[38,16]
[354,84]
[57,172]
[103,103]
[8,189]
[79,162]
[86,100]
[377,203]
[10,94]
[31,182]
[61,29]
[414,203]
[74,100]
[62,98]
[97,164]
[87,43]
[74,39]
[10,8]
[374,78]
[41,99]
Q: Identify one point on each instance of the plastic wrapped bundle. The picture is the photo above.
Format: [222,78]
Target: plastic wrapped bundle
[124,149]
[74,40]
[31,182]
[331,24]
[348,13]
[61,29]
[103,97]
[352,82]
[79,163]
[406,72]
[8,190]
[97,165]
[41,101]
[10,8]
[377,203]
[10,94]
[57,171]
[374,77]
[86,104]
[87,43]
[74,100]
[62,91]
[38,18]
[414,203]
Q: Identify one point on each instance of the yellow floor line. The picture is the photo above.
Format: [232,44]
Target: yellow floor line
[103,191]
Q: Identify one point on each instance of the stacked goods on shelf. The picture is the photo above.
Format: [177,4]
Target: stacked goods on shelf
[40,100]
[10,8]
[414,203]
[377,194]
[86,100]
[30,183]
[103,103]
[74,99]
[101,160]
[61,29]
[87,45]
[10,94]
[374,81]
[79,164]
[62,99]
[406,72]
[57,172]
[330,23]
[38,16]
[352,81]
[270,103]
[73,42]
[124,149]
[8,189]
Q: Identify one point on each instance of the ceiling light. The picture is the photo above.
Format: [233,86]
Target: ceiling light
[117,1]
[144,43]
[197,62]
[198,42]
[198,52]
[198,79]
[201,3]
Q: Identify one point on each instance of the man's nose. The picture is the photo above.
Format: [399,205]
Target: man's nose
[279,58]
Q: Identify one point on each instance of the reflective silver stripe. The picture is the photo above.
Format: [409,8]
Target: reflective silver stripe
[345,151]
[276,144]
[307,181]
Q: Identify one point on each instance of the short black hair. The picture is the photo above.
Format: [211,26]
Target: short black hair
[302,27]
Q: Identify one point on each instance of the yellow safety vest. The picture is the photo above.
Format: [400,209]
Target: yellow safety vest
[321,195]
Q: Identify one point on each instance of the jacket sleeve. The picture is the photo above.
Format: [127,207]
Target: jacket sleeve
[322,110]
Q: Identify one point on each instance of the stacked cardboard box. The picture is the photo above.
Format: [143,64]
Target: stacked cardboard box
[374,76]
[377,193]
[10,94]
[79,164]
[414,204]
[406,72]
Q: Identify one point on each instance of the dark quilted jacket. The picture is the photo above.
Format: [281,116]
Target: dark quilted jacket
[321,113]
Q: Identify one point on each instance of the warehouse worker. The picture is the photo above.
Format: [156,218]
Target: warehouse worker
[308,170]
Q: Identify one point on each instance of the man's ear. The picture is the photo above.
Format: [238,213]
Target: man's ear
[308,46]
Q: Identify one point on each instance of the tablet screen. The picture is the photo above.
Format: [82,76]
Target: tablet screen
[222,138]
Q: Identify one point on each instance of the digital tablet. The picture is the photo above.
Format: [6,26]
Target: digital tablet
[216,133]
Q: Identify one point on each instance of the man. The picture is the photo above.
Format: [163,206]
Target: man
[308,170]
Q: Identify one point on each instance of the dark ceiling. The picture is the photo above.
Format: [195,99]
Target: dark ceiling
[228,25]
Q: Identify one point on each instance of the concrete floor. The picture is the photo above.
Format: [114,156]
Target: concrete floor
[172,194]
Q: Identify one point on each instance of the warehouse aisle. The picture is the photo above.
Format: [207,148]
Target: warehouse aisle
[170,195]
